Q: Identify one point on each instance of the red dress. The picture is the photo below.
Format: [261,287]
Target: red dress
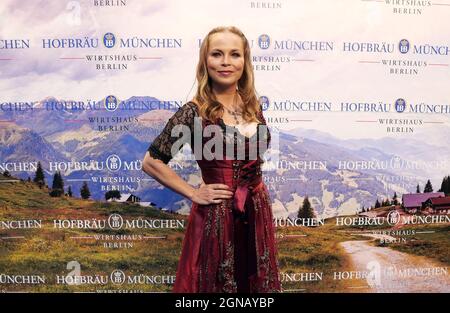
[229,246]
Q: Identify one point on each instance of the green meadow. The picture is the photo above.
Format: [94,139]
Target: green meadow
[152,254]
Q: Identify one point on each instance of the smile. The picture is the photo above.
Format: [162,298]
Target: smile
[225,73]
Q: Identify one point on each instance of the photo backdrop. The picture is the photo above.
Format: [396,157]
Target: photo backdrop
[356,95]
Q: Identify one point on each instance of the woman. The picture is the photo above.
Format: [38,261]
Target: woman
[229,245]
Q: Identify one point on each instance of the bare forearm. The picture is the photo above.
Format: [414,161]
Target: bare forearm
[168,178]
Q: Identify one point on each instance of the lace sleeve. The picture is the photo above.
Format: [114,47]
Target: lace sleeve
[263,120]
[161,147]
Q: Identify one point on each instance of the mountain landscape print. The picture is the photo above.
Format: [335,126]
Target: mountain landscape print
[69,137]
[357,171]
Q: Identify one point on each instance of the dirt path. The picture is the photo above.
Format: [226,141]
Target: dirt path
[387,270]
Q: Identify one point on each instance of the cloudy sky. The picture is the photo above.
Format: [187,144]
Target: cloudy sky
[36,73]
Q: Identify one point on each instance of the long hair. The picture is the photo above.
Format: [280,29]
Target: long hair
[209,107]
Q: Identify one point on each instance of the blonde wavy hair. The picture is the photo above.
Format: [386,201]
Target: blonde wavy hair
[209,107]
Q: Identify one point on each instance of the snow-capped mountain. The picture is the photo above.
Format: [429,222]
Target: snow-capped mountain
[329,170]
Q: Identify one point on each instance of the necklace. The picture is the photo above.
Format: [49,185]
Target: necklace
[235,113]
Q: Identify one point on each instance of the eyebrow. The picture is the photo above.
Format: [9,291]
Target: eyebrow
[222,51]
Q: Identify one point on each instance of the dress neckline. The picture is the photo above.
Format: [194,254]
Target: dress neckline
[224,125]
[237,129]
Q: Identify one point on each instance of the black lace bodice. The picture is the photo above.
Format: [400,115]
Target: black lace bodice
[161,146]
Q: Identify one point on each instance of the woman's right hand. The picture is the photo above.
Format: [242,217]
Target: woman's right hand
[211,193]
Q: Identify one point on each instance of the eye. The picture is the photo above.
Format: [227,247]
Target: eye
[236,54]
[214,54]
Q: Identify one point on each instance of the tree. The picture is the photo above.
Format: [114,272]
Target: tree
[418,189]
[377,204]
[84,191]
[306,211]
[445,186]
[6,173]
[395,199]
[39,177]
[57,185]
[112,194]
[69,191]
[428,187]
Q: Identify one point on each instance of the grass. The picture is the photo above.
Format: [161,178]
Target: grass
[48,250]
[318,251]
[432,245]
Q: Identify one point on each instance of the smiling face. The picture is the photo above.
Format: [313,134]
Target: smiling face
[225,58]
